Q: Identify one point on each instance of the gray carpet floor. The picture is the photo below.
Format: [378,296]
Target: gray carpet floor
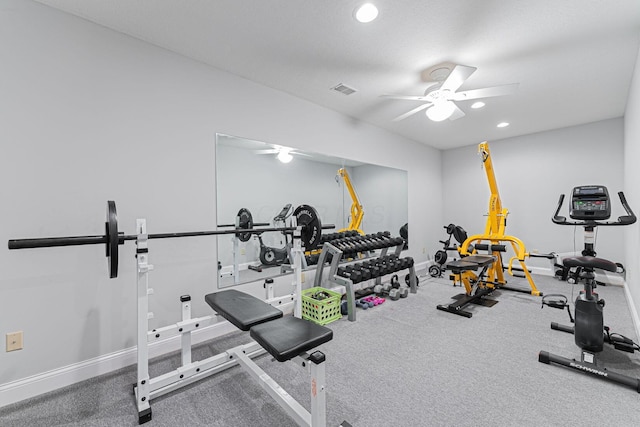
[403,363]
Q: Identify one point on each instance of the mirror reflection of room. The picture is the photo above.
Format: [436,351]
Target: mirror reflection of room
[272,181]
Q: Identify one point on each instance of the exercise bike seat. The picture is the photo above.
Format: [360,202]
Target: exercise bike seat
[242,310]
[590,262]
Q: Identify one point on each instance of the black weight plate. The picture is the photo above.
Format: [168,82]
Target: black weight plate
[308,218]
[245,222]
[434,271]
[459,234]
[441,257]
[112,238]
[407,280]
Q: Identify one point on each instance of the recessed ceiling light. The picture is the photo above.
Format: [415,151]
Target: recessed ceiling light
[478,104]
[366,13]
[503,124]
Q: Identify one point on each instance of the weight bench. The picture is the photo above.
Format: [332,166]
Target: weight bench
[459,268]
[285,338]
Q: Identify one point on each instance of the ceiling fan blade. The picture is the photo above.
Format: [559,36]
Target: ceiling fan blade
[297,153]
[457,113]
[411,97]
[486,92]
[459,74]
[407,97]
[412,112]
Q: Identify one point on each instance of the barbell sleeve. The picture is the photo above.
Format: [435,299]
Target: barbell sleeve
[49,242]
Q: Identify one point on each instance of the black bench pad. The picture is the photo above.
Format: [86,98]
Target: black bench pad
[471,262]
[289,336]
[243,310]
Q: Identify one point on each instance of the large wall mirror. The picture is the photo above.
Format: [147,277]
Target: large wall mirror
[264,177]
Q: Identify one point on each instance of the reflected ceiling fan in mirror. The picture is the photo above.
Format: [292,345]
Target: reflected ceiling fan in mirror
[284,154]
[440,95]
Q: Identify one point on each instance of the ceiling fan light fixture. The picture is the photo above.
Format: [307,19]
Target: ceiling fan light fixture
[478,104]
[284,156]
[366,13]
[440,74]
[440,111]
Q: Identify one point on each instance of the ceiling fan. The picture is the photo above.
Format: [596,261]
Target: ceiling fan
[440,95]
[284,154]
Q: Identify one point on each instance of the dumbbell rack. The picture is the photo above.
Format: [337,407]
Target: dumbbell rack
[336,279]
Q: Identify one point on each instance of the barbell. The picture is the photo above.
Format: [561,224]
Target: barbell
[307,218]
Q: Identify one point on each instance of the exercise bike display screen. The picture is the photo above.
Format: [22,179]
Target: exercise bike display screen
[590,202]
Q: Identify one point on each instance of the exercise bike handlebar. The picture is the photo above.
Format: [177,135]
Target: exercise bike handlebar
[627,219]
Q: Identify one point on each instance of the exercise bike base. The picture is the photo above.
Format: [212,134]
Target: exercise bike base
[589,368]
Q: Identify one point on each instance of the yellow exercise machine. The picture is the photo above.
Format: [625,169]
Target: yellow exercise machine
[493,243]
[357,213]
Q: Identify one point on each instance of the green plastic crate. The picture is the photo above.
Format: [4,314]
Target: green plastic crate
[321,311]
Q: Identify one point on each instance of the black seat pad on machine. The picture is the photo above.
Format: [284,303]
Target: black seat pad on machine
[590,262]
[289,336]
[242,310]
[471,262]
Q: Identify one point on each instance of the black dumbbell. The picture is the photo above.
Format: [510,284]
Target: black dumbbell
[366,274]
[355,276]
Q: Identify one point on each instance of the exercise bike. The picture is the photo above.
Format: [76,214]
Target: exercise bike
[590,207]
[270,256]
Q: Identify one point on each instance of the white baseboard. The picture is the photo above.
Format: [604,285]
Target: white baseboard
[35,385]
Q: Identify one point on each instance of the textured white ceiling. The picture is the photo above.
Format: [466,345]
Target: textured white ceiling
[573,58]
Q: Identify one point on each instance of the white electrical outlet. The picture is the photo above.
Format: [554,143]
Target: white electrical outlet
[242,251]
[14,341]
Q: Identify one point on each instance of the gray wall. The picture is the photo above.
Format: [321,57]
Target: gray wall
[632,189]
[384,201]
[531,172]
[88,115]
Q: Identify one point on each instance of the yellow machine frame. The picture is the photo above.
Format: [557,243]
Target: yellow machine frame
[494,234]
[357,212]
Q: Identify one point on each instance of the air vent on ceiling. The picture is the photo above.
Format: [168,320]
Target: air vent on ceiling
[344,89]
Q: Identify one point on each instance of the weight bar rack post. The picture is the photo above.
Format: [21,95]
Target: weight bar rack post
[185,339]
[142,388]
[236,248]
[297,252]
[148,388]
